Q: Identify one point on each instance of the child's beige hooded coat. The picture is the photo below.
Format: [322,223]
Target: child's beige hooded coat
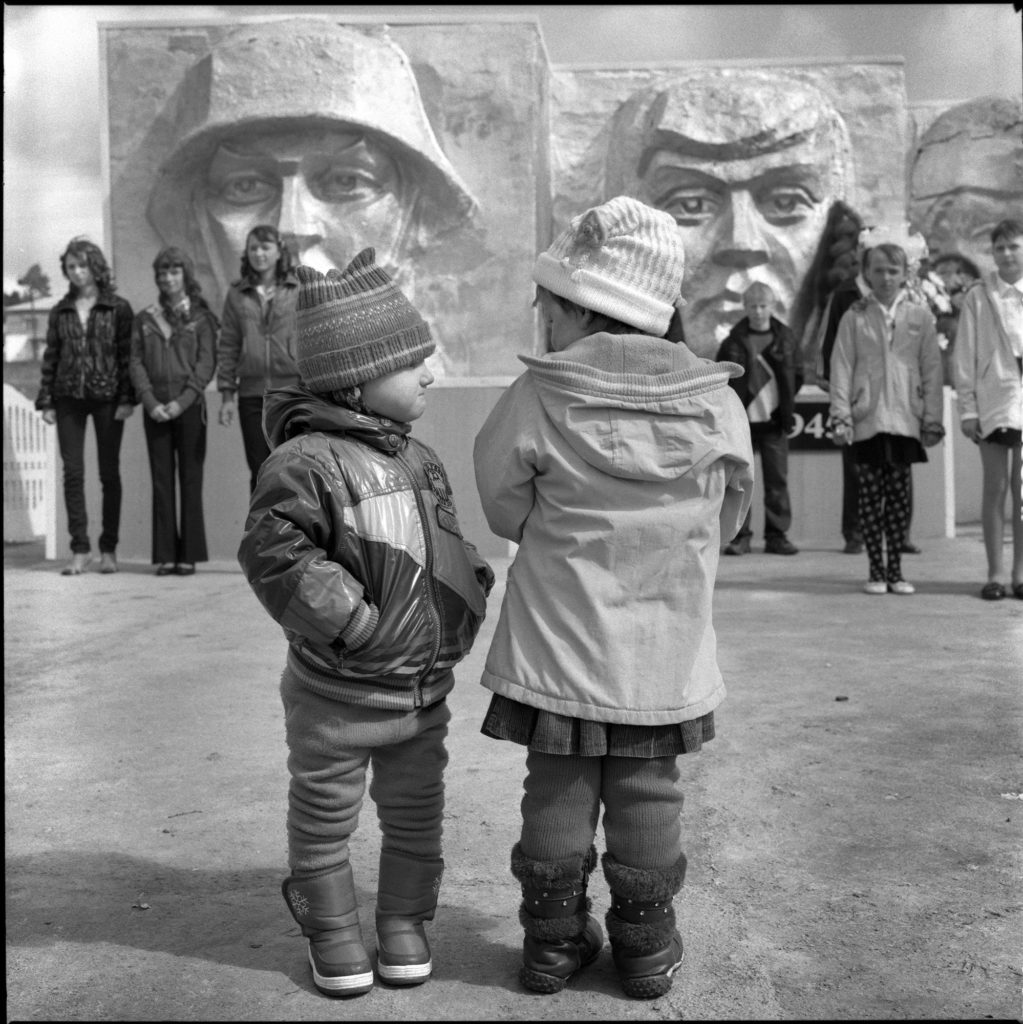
[618,465]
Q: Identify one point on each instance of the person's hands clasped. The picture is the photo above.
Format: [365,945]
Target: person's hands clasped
[971,429]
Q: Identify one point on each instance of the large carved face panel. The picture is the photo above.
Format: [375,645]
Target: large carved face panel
[748,164]
[745,220]
[331,193]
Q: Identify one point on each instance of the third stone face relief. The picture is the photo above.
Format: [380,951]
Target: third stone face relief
[967,176]
[747,163]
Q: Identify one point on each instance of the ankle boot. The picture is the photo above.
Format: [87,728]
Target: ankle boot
[645,946]
[326,910]
[560,935]
[406,897]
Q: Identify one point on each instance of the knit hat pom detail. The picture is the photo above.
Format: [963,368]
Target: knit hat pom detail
[623,259]
[355,325]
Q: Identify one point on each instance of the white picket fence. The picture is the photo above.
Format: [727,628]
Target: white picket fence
[30,478]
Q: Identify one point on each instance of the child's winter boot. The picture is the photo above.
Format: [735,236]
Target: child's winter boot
[406,897]
[326,909]
[561,936]
[645,945]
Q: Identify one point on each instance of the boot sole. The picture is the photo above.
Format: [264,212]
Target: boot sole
[342,984]
[405,974]
[548,984]
[653,986]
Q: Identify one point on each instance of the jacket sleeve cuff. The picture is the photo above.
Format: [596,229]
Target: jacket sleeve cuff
[361,626]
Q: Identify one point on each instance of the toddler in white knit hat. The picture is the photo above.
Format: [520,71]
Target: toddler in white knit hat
[617,463]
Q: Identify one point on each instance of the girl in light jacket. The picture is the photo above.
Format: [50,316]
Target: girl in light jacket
[618,462]
[256,351]
[172,360]
[988,368]
[886,380]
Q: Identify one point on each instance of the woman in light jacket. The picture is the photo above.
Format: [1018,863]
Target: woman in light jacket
[257,340]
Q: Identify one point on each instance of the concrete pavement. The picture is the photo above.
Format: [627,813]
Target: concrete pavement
[853,831]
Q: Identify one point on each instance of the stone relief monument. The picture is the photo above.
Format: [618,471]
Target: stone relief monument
[747,159]
[967,175]
[343,136]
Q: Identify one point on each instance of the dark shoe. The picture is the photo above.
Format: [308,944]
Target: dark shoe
[780,546]
[645,945]
[560,935]
[166,570]
[993,592]
[739,546]
[1017,590]
[326,910]
[406,897]
[185,569]
[853,547]
[78,564]
[909,548]
[107,562]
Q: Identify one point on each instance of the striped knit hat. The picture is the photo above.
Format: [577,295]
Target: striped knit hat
[623,259]
[355,325]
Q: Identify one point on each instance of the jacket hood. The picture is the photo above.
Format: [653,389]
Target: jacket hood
[291,411]
[638,407]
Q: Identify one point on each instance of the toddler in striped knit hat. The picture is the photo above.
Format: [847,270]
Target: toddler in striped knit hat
[352,545]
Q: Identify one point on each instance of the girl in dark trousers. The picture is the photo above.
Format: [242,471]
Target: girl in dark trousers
[85,373]
[256,351]
[173,355]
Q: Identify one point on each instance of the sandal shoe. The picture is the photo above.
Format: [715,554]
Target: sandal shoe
[77,565]
[993,592]
[166,569]
[107,563]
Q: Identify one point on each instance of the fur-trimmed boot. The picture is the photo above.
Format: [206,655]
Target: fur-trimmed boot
[561,936]
[645,945]
[406,897]
[326,909]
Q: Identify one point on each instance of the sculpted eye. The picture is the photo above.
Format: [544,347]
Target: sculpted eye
[786,204]
[245,189]
[344,184]
[690,207]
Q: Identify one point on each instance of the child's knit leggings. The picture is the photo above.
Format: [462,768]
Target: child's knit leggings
[884,505]
[642,808]
[330,745]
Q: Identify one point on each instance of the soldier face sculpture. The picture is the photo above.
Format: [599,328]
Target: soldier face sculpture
[331,194]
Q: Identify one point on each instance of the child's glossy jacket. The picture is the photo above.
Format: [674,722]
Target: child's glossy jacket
[617,465]
[353,520]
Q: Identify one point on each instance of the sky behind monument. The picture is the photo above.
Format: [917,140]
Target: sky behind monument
[53,151]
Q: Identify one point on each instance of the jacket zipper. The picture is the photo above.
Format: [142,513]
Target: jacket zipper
[433,603]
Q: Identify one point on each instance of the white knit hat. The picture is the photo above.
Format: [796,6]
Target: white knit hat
[623,259]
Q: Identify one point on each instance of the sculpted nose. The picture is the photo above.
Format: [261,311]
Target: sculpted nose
[742,244]
[300,225]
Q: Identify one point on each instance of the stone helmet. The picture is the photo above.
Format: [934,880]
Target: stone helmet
[273,75]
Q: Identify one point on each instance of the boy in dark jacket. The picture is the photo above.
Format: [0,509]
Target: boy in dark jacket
[353,546]
[767,350]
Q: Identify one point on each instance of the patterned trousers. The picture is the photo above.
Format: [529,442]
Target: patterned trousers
[883,496]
